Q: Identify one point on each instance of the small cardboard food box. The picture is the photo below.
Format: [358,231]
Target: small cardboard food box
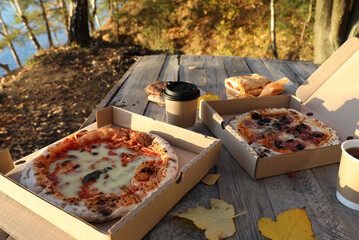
[330,95]
[24,215]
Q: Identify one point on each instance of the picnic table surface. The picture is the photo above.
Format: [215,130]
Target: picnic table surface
[313,189]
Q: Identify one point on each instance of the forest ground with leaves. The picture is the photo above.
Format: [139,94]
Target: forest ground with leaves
[53,95]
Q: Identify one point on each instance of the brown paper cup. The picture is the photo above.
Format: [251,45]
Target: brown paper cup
[348,177]
[181,113]
[181,103]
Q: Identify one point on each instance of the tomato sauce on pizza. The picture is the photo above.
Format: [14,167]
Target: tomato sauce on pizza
[279,130]
[101,174]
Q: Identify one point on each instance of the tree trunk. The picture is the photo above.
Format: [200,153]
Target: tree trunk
[353,25]
[115,18]
[91,22]
[46,23]
[79,29]
[94,13]
[272,29]
[322,26]
[11,46]
[16,5]
[335,21]
[340,17]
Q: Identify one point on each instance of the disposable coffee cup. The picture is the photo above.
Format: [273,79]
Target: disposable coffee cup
[348,175]
[181,103]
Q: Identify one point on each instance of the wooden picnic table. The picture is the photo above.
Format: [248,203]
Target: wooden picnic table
[313,189]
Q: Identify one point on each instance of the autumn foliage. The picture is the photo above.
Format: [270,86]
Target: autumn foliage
[216,27]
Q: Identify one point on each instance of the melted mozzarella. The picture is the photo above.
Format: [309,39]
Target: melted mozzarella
[70,183]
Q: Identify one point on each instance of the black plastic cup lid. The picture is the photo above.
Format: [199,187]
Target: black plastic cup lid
[181,91]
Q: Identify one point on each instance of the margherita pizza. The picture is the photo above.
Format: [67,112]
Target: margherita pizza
[101,174]
[275,131]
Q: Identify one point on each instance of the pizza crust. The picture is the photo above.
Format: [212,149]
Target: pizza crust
[106,206]
[172,169]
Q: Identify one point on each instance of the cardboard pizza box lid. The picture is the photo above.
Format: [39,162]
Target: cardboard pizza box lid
[332,91]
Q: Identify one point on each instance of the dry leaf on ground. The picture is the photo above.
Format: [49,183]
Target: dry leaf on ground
[210,179]
[292,224]
[207,97]
[217,221]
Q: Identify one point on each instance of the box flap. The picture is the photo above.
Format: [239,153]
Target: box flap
[29,225]
[6,163]
[104,117]
[332,91]
[327,69]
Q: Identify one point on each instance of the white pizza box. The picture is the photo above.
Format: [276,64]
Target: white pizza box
[330,95]
[24,215]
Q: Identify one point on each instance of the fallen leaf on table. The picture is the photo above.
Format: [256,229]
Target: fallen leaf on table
[207,97]
[210,179]
[217,221]
[292,224]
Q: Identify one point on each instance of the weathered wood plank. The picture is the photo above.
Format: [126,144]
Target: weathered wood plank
[215,73]
[327,177]
[279,70]
[309,66]
[236,66]
[169,72]
[170,68]
[191,69]
[132,95]
[298,69]
[303,190]
[257,66]
[235,185]
[110,95]
[245,194]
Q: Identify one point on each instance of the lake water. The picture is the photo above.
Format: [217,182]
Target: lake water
[27,49]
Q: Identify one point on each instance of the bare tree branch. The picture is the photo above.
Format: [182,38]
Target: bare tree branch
[16,5]
[11,46]
[5,67]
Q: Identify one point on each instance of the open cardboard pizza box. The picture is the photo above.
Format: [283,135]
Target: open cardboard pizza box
[330,95]
[25,215]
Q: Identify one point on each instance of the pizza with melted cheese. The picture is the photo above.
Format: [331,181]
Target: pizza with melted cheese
[101,174]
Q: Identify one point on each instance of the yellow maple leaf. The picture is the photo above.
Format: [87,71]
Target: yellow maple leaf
[207,97]
[217,221]
[210,179]
[292,224]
